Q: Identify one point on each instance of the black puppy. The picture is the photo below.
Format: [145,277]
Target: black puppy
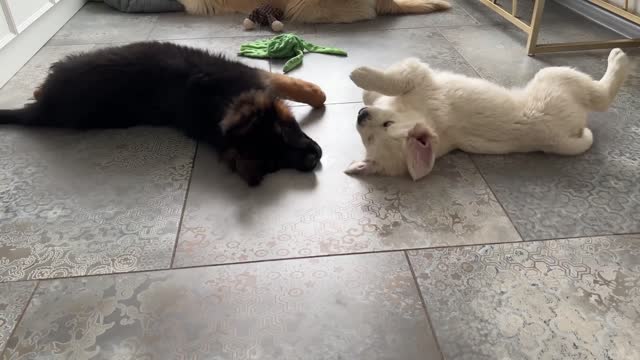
[235,108]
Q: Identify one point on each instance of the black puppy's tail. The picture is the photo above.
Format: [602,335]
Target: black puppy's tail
[25,116]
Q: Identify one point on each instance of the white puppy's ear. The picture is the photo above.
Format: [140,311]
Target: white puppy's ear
[421,155]
[364,167]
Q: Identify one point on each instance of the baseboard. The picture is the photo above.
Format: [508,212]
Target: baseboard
[26,44]
[603,17]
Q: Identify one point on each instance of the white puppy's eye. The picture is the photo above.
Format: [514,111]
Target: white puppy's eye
[387,124]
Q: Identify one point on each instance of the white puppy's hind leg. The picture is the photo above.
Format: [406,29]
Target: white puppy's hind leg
[617,70]
[398,80]
[574,145]
[601,93]
[594,95]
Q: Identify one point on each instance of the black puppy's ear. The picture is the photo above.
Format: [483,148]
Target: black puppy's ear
[245,111]
[240,125]
[286,124]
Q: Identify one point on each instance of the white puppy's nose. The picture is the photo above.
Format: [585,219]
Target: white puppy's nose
[363,114]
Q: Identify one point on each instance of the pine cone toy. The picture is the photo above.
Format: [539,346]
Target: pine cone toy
[265,15]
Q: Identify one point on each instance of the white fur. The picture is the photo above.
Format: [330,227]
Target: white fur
[457,112]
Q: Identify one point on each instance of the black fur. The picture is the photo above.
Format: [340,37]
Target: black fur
[163,84]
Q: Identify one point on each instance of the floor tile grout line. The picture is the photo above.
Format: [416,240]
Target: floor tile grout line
[470,156]
[471,16]
[184,207]
[296,105]
[344,102]
[153,28]
[455,48]
[632,233]
[504,210]
[114,43]
[389,251]
[412,28]
[266,35]
[19,319]
[424,304]
[499,22]
[255,36]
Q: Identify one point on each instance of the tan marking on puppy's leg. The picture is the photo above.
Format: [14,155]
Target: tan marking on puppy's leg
[296,89]
[262,100]
[37,92]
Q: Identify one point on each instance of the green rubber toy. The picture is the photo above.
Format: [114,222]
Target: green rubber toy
[285,46]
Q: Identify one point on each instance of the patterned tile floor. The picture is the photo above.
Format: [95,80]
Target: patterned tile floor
[137,244]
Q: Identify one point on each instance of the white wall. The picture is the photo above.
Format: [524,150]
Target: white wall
[25,26]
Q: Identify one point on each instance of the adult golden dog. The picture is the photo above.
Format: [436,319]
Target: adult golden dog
[319,11]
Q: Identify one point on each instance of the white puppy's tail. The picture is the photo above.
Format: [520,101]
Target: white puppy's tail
[386,7]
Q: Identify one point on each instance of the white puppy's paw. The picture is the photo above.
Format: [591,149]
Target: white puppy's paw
[362,76]
[618,59]
[356,167]
[365,167]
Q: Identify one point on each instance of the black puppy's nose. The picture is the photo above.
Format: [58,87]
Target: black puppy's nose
[363,114]
[311,161]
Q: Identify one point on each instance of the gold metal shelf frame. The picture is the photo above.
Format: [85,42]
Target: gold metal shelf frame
[533,29]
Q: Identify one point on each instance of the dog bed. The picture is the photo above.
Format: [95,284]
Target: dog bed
[145,6]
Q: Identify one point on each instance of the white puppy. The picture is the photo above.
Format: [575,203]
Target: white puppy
[416,114]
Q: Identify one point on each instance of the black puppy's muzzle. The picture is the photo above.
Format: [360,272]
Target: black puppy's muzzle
[363,115]
[303,153]
[312,157]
